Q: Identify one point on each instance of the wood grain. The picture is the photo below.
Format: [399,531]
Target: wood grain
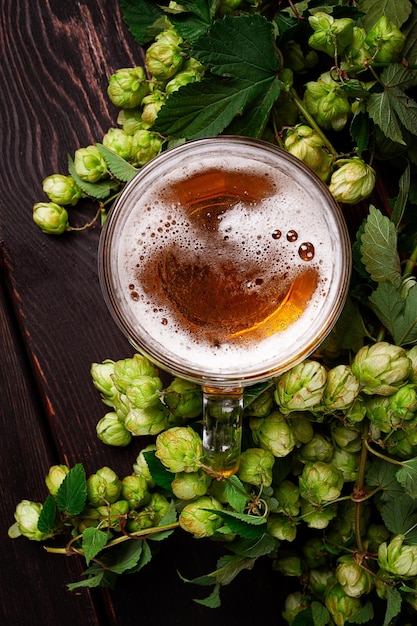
[56,57]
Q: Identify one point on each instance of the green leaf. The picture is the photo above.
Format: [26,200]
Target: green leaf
[407,476]
[240,53]
[364,615]
[248,526]
[229,566]
[235,494]
[122,557]
[159,473]
[305,618]
[397,11]
[392,109]
[382,474]
[93,542]
[242,47]
[400,514]
[321,615]
[212,601]
[203,109]
[394,600]
[47,516]
[193,24]
[118,166]
[72,492]
[359,130]
[144,559]
[253,548]
[379,248]
[90,582]
[145,19]
[401,201]
[397,314]
[100,190]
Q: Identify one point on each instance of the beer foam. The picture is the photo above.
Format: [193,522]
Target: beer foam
[275,231]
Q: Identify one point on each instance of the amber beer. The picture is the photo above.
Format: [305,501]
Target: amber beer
[226,261]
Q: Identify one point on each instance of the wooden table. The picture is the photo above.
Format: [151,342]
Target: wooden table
[56,57]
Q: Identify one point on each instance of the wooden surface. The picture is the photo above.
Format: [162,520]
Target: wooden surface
[56,57]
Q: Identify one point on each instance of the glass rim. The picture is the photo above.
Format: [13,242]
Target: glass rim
[160,354]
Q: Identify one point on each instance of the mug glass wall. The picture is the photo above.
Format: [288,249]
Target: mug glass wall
[226,261]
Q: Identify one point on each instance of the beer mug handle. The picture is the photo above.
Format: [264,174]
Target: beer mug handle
[222,429]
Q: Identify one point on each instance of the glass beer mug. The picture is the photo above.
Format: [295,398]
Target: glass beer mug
[225,261]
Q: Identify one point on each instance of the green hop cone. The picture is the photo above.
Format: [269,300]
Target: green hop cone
[114,515]
[135,490]
[150,515]
[398,558]
[141,467]
[152,104]
[385,41]
[111,431]
[320,482]
[117,140]
[357,53]
[302,387]
[199,517]
[281,527]
[89,518]
[341,390]
[375,535]
[273,433]
[144,392]
[145,146]
[51,218]
[288,562]
[256,466]
[151,420]
[346,436]
[381,368]
[288,498]
[89,164]
[353,578]
[319,580]
[27,516]
[55,477]
[131,120]
[319,448]
[125,371]
[347,463]
[164,57]
[62,190]
[184,77]
[301,426]
[121,406]
[102,377]
[295,603]
[403,403]
[127,87]
[341,607]
[330,35]
[262,405]
[305,143]
[412,355]
[184,399]
[314,552]
[190,485]
[103,487]
[296,60]
[328,104]
[180,449]
[352,181]
[316,516]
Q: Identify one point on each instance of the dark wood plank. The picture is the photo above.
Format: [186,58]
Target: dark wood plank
[56,60]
